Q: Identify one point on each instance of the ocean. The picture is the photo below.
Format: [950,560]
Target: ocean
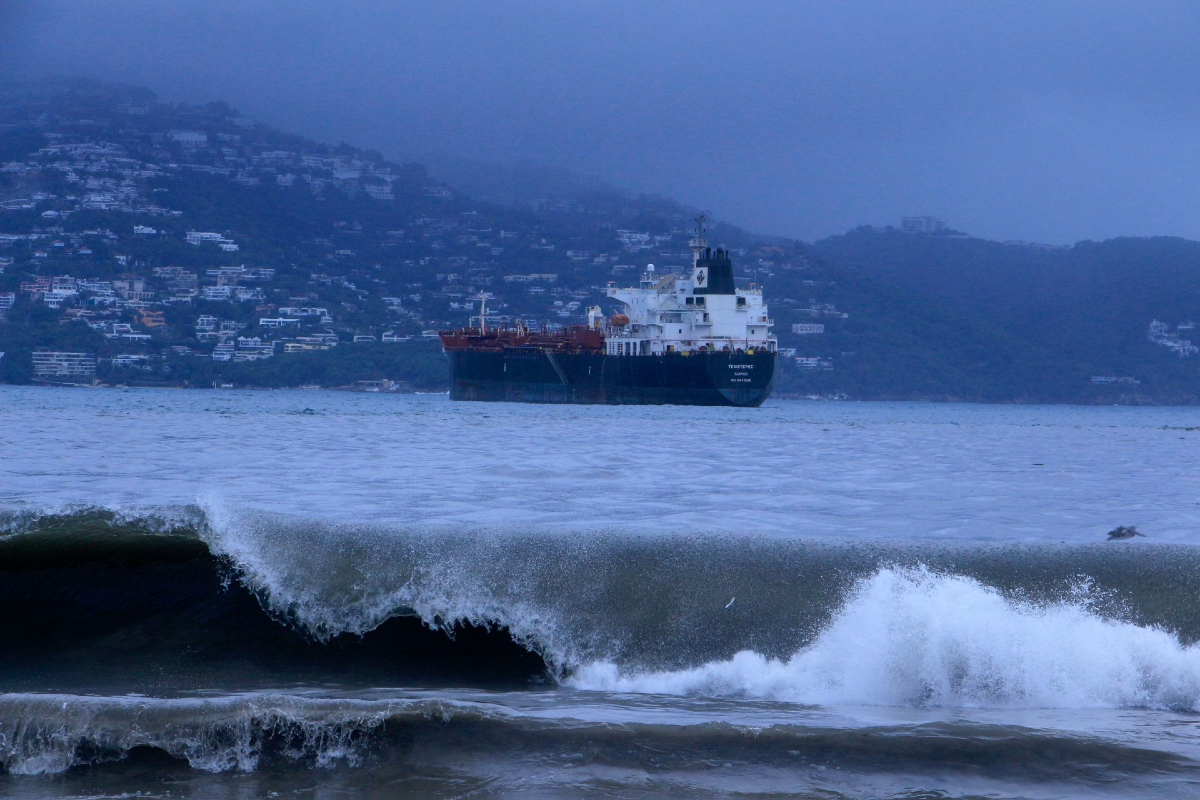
[226,594]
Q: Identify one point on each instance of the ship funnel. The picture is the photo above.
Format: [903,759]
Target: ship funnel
[595,317]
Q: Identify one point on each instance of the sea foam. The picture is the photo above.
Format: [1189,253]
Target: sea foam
[916,637]
[45,734]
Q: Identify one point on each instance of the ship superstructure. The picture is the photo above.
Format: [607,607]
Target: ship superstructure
[702,312]
[693,339]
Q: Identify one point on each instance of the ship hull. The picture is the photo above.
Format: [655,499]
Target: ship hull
[529,375]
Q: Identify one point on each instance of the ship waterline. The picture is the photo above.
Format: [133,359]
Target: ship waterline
[533,375]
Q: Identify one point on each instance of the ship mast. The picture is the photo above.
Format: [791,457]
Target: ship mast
[482,298]
[699,242]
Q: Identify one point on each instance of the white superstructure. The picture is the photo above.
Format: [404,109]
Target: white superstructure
[700,312]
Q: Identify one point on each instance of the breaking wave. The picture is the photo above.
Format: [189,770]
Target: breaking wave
[214,596]
[916,637]
[96,601]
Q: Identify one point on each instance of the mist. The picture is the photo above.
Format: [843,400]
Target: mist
[1017,120]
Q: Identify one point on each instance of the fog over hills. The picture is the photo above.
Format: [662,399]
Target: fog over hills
[512,184]
[1049,122]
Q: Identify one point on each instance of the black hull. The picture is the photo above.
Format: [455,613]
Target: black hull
[534,376]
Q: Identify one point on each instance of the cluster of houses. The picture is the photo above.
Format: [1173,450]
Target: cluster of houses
[100,176]
[105,175]
[1164,335]
[1161,334]
[362,286]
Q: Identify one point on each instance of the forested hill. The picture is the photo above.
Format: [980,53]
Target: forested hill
[1074,312]
[173,244]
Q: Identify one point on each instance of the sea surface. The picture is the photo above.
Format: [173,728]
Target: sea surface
[223,594]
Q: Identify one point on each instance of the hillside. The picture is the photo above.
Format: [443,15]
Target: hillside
[159,236]
[188,245]
[1073,312]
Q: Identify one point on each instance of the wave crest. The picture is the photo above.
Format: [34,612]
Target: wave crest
[331,580]
[812,623]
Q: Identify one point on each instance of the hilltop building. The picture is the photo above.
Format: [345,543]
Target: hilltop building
[922,225]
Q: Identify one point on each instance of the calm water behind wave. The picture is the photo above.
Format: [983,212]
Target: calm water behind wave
[854,470]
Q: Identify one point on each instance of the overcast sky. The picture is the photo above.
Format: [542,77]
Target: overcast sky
[1045,121]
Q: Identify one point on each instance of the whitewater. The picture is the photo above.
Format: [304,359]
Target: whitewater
[913,637]
[248,592]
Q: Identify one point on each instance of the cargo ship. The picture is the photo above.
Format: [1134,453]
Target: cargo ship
[682,339]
